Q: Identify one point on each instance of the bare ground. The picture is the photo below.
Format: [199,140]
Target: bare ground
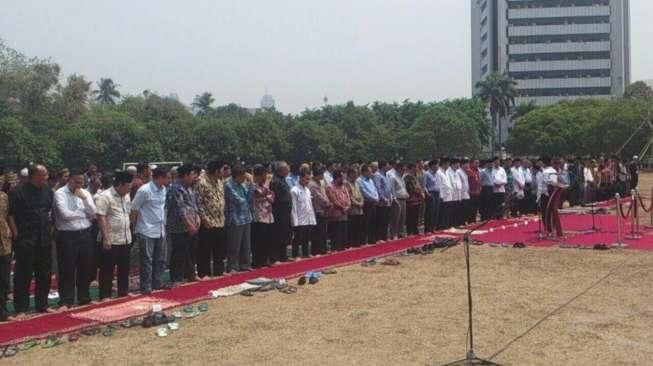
[413,314]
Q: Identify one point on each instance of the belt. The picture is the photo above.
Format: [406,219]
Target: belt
[75,231]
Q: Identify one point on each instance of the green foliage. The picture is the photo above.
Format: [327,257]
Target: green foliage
[638,90]
[583,127]
[107,92]
[499,92]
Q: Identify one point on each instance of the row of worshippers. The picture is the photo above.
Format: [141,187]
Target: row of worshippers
[248,217]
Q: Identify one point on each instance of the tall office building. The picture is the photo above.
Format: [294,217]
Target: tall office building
[554,49]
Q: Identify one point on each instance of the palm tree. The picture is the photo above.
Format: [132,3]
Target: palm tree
[107,91]
[498,91]
[203,103]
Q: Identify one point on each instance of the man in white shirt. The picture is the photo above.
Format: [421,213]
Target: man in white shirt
[447,195]
[456,184]
[465,203]
[550,199]
[398,208]
[74,211]
[518,189]
[302,215]
[499,179]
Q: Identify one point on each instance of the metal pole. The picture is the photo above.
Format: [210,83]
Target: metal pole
[619,243]
[470,354]
[634,235]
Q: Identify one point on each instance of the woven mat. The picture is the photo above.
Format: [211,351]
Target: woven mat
[129,309]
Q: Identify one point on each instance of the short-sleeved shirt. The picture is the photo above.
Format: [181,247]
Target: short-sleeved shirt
[115,209]
[150,203]
[31,207]
[181,203]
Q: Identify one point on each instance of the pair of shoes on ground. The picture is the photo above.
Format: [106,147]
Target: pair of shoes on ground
[310,277]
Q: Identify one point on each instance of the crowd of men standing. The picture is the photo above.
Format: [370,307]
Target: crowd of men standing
[219,219]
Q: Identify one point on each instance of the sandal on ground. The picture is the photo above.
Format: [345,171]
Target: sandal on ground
[188,309]
[9,351]
[301,281]
[52,341]
[280,285]
[288,290]
[390,262]
[601,247]
[203,307]
[519,245]
[27,345]
[91,331]
[173,326]
[73,337]
[162,332]
[267,287]
[108,332]
[329,271]
[370,262]
[313,280]
[247,293]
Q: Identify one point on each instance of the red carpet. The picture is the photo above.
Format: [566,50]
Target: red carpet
[502,231]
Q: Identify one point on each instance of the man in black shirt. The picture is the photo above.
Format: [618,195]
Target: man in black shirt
[281,212]
[30,205]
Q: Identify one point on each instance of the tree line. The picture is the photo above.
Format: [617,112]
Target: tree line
[67,124]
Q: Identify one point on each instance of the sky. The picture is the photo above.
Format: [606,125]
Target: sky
[299,50]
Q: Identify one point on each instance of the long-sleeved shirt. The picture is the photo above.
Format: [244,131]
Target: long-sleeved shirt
[445,186]
[238,202]
[499,179]
[486,178]
[528,175]
[464,184]
[383,188]
[150,203]
[356,198]
[474,181]
[340,202]
[321,203]
[71,212]
[456,184]
[430,181]
[368,189]
[262,205]
[397,185]
[302,213]
[518,181]
[181,204]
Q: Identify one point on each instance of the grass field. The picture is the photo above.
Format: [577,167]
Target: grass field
[533,307]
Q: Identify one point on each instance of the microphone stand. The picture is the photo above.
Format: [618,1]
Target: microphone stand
[470,357]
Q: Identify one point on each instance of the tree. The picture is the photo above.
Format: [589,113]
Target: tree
[203,103]
[107,91]
[71,100]
[498,91]
[638,90]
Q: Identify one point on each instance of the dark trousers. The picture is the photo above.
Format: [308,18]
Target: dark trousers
[355,231]
[117,256]
[369,220]
[211,248]
[543,204]
[412,215]
[32,261]
[302,236]
[432,212]
[282,233]
[338,234]
[182,265]
[76,261]
[5,273]
[487,203]
[498,200]
[465,207]
[318,237]
[446,215]
[474,205]
[239,247]
[262,248]
[382,221]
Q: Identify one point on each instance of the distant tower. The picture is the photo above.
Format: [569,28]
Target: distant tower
[326,100]
[267,102]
